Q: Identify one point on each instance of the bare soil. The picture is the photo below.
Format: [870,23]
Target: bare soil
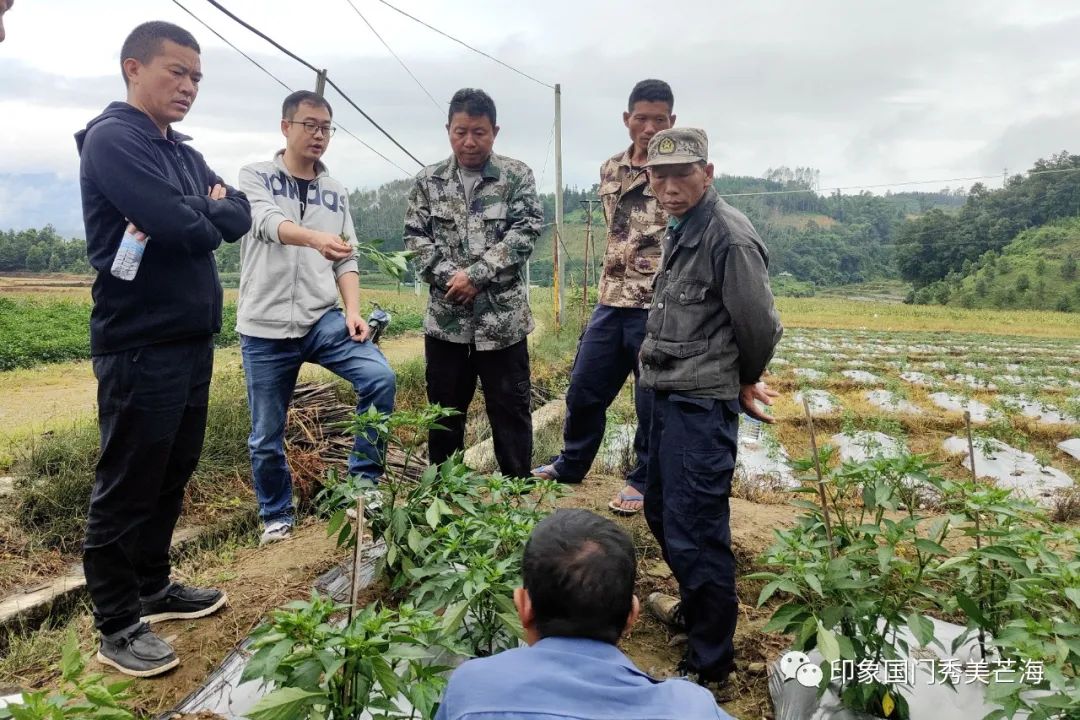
[257,581]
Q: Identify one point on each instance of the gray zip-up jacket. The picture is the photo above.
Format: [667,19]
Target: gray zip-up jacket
[285,289]
[712,324]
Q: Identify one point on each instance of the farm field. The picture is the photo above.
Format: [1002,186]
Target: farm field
[908,391]
[882,378]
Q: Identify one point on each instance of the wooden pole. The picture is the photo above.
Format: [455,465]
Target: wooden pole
[585,264]
[820,478]
[978,526]
[357,558]
[560,261]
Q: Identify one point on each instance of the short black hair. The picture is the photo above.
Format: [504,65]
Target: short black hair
[579,570]
[296,99]
[144,42]
[474,102]
[651,91]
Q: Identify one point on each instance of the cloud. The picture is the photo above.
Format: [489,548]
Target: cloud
[866,92]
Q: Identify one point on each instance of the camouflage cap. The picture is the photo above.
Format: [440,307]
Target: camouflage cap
[676,146]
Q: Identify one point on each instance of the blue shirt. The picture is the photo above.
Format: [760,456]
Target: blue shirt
[562,678]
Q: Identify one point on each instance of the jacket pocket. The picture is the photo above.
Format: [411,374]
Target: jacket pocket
[684,311]
[508,298]
[682,349]
[444,225]
[687,292]
[609,198]
[495,225]
[707,479]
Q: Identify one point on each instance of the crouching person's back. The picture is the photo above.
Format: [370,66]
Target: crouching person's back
[577,602]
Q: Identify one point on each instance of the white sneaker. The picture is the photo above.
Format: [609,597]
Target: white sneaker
[275,531]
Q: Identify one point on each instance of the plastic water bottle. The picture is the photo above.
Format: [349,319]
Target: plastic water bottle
[128,257]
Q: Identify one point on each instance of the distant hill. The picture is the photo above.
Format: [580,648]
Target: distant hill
[1037,270]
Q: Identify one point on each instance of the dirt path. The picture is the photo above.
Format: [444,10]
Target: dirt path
[257,581]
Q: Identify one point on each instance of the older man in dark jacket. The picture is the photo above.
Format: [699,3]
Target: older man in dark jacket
[711,331]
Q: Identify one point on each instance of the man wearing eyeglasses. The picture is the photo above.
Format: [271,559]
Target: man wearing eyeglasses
[299,256]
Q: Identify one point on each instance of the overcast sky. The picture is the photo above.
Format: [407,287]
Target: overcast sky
[867,92]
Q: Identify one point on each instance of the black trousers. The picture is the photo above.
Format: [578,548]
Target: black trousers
[688,487]
[452,371]
[152,404]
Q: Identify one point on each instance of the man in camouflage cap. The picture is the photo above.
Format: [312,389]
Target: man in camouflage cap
[711,331]
[608,350]
[472,221]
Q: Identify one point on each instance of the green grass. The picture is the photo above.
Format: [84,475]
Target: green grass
[839,313]
[36,331]
[55,471]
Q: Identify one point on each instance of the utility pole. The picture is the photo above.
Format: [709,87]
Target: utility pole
[320,83]
[585,263]
[1004,177]
[559,260]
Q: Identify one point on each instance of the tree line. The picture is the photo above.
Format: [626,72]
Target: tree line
[816,236]
[933,246]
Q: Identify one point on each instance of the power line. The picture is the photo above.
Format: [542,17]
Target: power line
[465,44]
[221,37]
[311,67]
[349,100]
[282,83]
[396,57]
[263,35]
[354,137]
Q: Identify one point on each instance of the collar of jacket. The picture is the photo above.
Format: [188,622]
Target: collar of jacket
[447,170]
[642,177]
[694,221]
[279,161]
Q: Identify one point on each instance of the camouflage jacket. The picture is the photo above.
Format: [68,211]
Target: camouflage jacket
[635,227]
[490,238]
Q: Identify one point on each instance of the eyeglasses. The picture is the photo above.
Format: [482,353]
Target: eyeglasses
[312,128]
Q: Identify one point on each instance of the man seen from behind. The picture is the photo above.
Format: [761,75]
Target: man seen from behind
[577,602]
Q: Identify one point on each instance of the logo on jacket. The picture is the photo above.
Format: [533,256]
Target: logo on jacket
[279,185]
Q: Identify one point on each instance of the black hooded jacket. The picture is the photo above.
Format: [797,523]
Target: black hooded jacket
[130,171]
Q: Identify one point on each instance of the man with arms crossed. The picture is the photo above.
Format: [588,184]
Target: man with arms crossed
[608,350]
[711,332]
[472,222]
[578,600]
[151,338]
[293,265]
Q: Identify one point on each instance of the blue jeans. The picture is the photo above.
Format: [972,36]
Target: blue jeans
[271,368]
[607,354]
